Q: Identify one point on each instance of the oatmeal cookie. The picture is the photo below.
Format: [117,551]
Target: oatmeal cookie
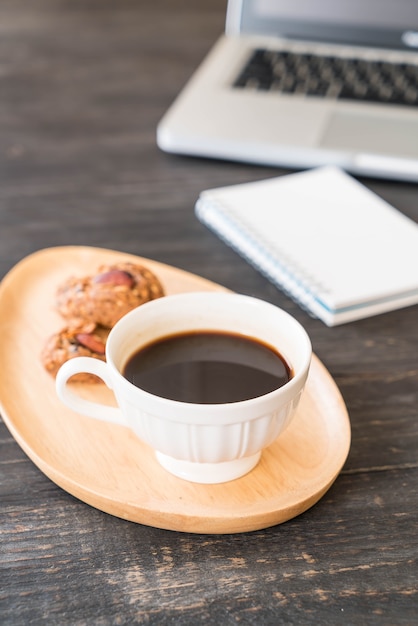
[109,294]
[72,341]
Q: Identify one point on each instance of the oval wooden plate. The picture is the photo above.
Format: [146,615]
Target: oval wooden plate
[108,467]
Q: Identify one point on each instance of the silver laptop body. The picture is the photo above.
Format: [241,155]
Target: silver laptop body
[217,116]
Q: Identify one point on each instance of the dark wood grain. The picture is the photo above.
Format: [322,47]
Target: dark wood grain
[83,85]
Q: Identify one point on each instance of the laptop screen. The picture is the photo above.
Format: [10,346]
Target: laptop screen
[384,23]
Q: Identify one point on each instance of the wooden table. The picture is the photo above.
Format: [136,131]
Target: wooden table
[83,85]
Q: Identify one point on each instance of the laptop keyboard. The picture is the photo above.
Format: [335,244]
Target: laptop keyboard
[331,76]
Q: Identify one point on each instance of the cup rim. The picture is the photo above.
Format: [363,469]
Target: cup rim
[297,379]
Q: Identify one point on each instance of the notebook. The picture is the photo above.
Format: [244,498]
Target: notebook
[327,82]
[338,249]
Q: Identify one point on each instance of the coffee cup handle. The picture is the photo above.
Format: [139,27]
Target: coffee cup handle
[85,364]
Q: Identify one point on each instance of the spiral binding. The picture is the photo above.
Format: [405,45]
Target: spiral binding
[281,270]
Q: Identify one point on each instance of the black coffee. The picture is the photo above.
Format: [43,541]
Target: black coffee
[207,367]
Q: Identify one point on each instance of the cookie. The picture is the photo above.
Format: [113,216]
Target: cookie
[109,294]
[73,341]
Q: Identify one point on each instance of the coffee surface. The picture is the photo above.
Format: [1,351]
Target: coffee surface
[207,367]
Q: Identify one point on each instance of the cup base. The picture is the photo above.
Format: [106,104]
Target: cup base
[208,473]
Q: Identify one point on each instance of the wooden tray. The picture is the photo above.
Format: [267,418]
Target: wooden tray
[109,468]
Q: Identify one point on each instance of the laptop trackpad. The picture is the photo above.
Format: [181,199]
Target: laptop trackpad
[378,134]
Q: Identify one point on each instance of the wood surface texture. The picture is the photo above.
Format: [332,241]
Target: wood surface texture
[83,85]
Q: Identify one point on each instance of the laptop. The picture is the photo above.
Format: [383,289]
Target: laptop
[305,83]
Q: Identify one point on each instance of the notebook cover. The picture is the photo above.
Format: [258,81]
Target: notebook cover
[336,247]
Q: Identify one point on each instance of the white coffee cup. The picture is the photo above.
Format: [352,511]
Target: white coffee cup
[204,443]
